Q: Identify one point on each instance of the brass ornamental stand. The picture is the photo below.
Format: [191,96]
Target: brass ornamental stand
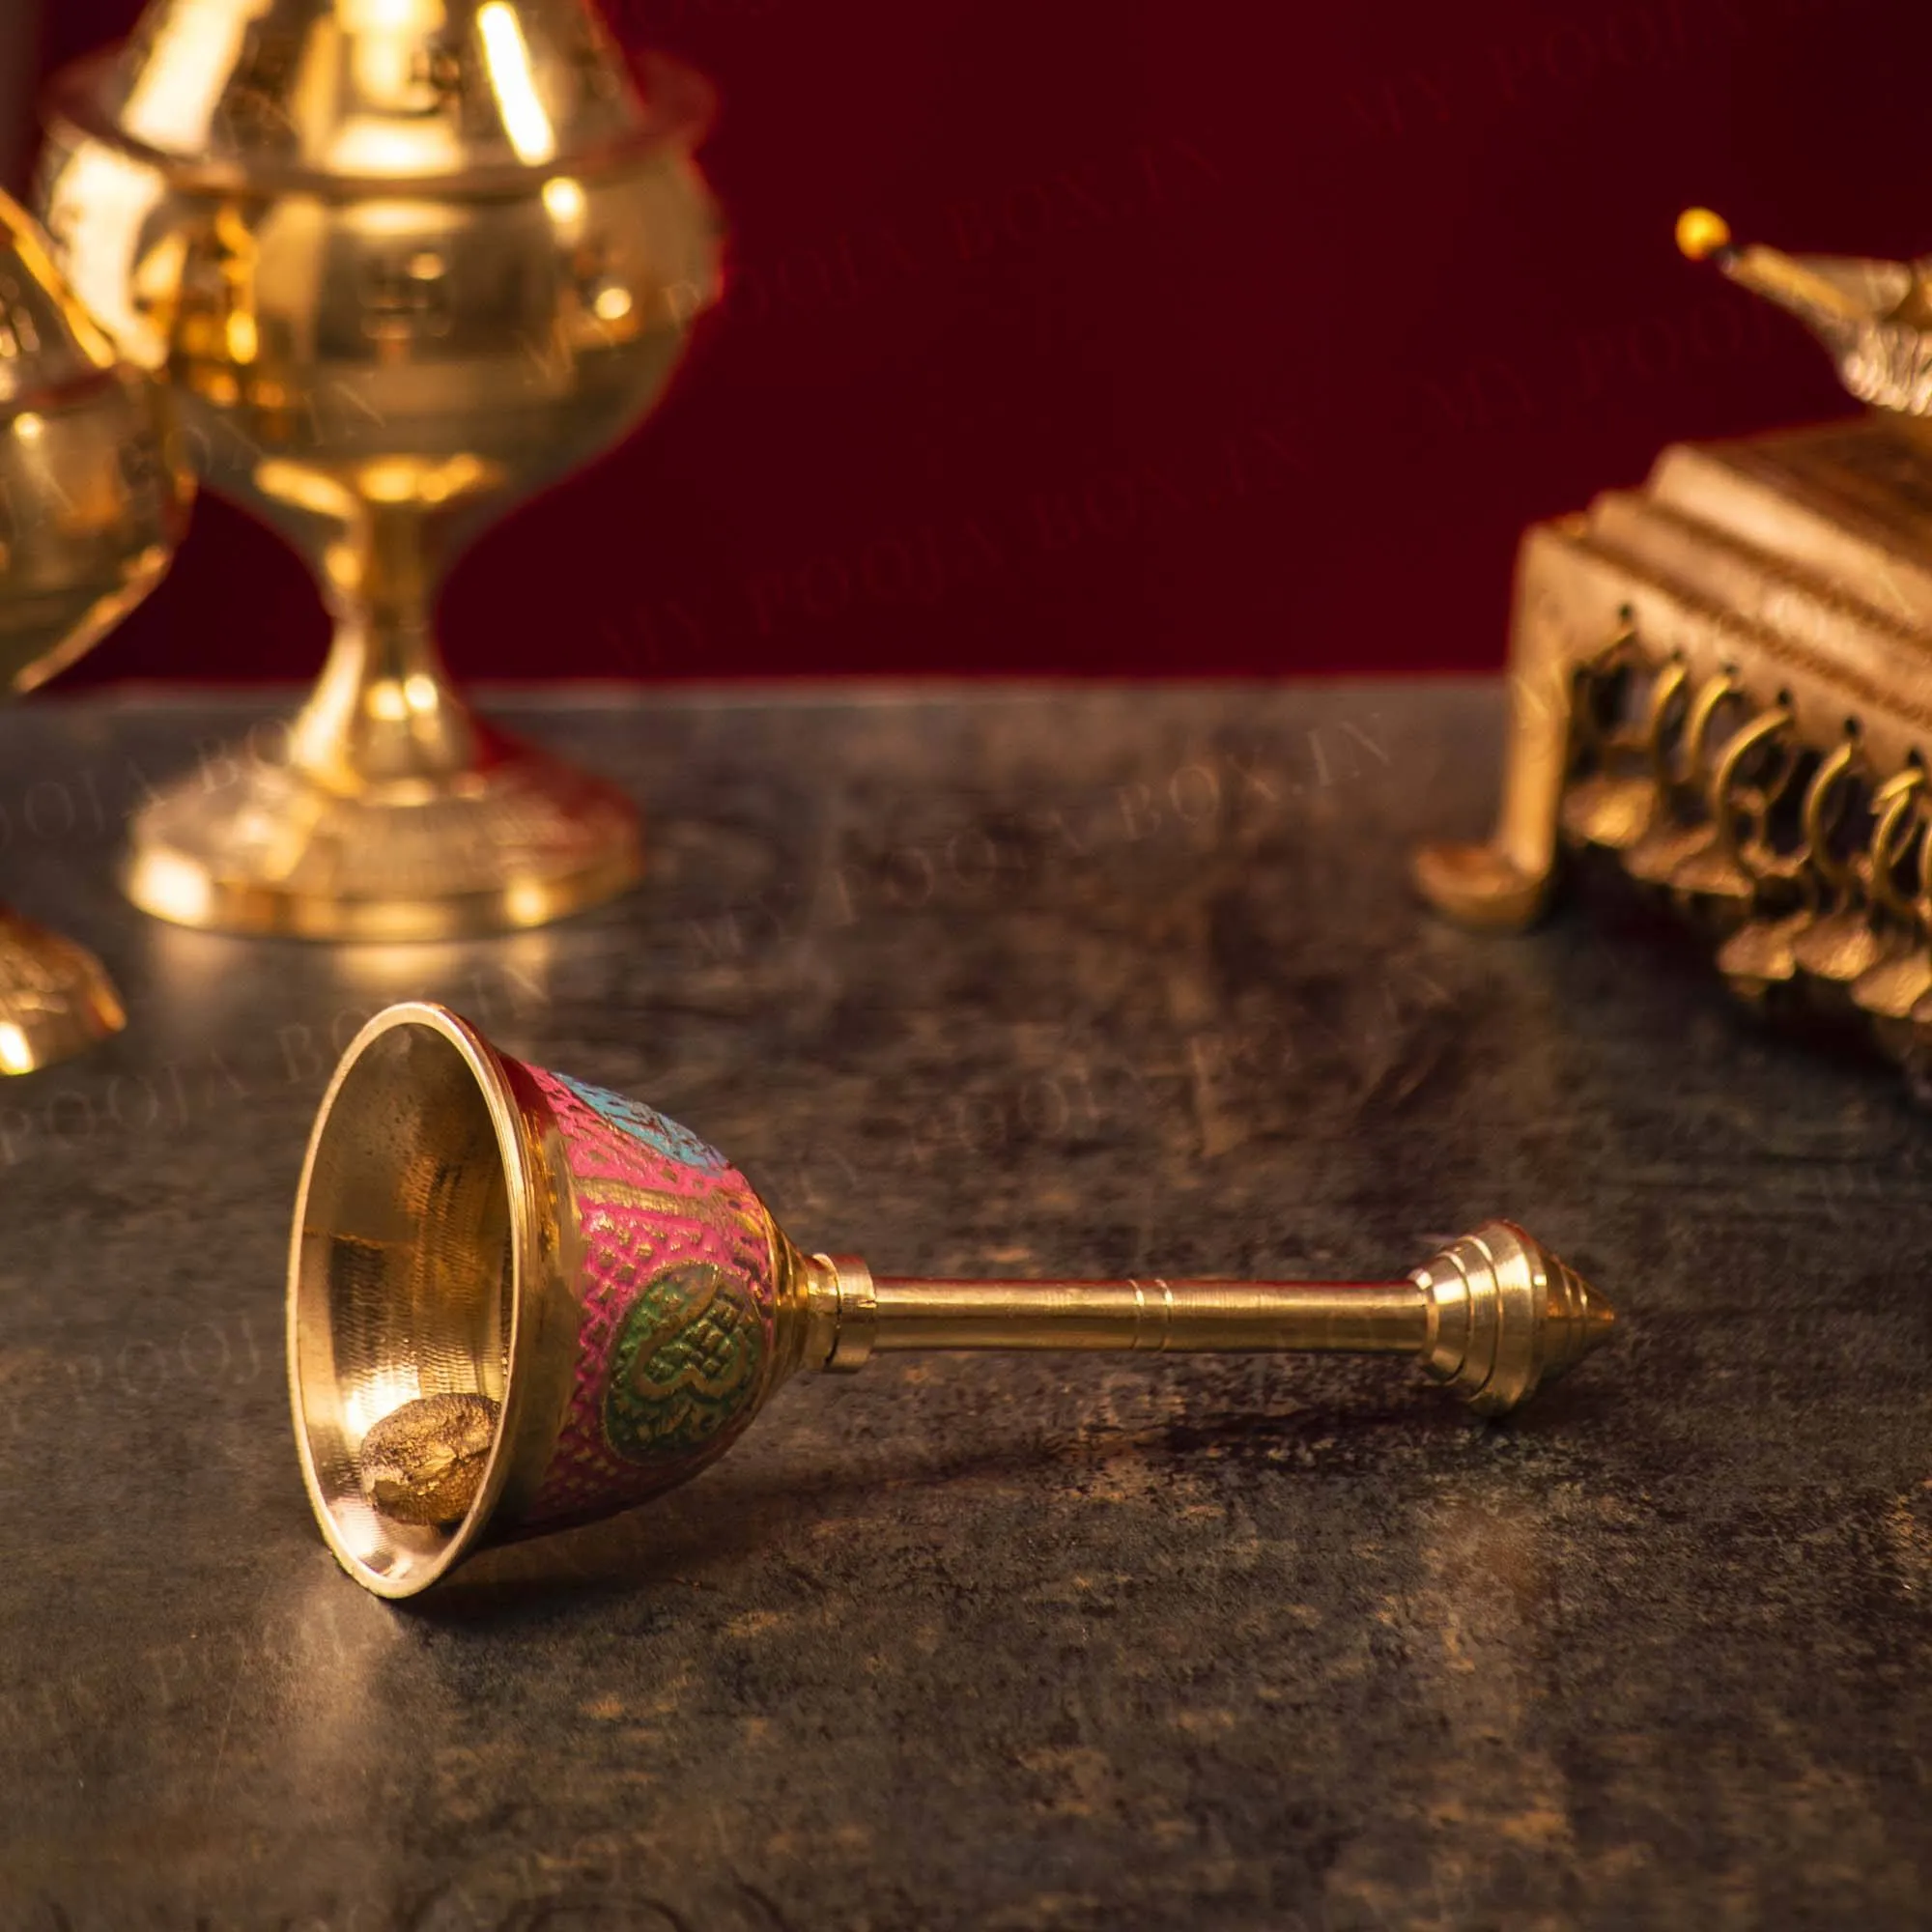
[517,1302]
[405,266]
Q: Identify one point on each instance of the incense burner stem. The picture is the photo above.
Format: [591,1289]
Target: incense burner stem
[384,713]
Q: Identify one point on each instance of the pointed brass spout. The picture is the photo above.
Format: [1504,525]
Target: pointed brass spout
[518,1302]
[1788,281]
[1874,317]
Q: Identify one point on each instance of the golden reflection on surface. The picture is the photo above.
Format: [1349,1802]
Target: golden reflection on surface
[179,890]
[385,37]
[508,56]
[366,1400]
[116,196]
[467,973]
[306,487]
[366,145]
[390,216]
[392,16]
[172,102]
[243,338]
[373,146]
[385,700]
[565,201]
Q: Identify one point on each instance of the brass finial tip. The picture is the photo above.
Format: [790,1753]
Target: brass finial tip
[423,1462]
[1701,233]
[1506,1316]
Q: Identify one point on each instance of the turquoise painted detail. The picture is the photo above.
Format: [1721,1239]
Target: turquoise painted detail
[647,1124]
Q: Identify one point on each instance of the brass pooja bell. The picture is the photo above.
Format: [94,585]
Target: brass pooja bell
[93,501]
[517,1302]
[405,263]
[1724,679]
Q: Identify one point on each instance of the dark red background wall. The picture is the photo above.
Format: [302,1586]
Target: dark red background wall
[1171,337]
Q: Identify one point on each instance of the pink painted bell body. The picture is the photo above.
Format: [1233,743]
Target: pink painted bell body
[676,1280]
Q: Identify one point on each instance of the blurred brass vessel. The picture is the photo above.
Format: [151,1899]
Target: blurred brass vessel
[93,499]
[1725,680]
[406,262]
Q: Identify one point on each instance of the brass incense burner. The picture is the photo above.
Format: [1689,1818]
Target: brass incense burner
[1723,680]
[93,499]
[405,263]
[518,1302]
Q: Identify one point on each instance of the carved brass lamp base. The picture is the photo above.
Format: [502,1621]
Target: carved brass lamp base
[1724,682]
[516,839]
[1480,886]
[55,997]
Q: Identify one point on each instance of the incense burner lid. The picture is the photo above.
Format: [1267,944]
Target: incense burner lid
[350,96]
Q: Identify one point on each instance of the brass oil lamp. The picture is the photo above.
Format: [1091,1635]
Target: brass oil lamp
[1723,680]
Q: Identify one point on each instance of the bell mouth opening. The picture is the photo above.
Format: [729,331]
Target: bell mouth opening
[405,1273]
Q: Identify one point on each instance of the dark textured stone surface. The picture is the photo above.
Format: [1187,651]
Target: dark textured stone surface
[1111,982]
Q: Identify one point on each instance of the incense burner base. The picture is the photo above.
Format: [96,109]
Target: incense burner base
[518,842]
